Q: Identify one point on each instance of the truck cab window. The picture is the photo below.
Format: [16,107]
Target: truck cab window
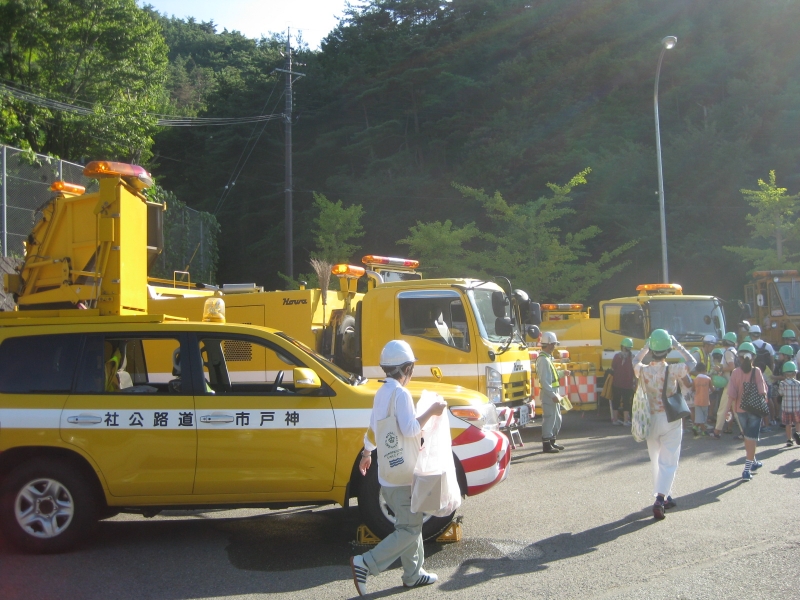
[438,319]
[624,319]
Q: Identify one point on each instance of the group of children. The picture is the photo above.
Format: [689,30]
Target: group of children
[783,397]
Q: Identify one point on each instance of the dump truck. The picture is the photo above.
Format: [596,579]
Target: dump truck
[106,406]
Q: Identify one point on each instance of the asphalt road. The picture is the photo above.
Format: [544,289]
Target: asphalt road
[573,525]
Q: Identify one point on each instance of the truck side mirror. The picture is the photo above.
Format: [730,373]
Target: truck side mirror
[499,304]
[533,332]
[535,314]
[503,326]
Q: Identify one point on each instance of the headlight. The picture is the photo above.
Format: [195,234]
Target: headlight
[482,416]
[494,385]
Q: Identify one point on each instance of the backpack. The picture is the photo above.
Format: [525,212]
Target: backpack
[763,358]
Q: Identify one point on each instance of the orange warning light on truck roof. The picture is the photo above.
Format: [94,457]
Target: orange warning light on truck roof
[69,188]
[577,307]
[390,261]
[646,287]
[343,270]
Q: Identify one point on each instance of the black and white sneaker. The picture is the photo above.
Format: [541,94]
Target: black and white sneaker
[424,579]
[360,573]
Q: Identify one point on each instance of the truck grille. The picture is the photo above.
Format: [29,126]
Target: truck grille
[517,387]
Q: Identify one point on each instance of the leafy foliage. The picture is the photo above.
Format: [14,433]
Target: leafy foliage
[524,243]
[105,55]
[776,220]
[336,227]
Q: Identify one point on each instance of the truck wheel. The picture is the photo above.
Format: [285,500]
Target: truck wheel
[379,517]
[47,505]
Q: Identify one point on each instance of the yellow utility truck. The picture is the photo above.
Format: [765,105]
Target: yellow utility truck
[773,303]
[595,340]
[464,332]
[106,406]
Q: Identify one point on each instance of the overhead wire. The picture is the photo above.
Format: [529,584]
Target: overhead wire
[234,177]
[162,120]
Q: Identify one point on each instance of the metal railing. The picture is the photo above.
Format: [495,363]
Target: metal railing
[25,179]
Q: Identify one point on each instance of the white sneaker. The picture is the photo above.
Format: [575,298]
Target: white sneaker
[360,573]
[617,422]
[627,423]
[424,579]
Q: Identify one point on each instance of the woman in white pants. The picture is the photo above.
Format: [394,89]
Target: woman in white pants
[664,438]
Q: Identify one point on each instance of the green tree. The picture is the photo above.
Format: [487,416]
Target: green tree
[336,228]
[775,223]
[524,242]
[105,56]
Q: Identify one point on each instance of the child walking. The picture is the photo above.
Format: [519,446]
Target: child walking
[789,390]
[702,391]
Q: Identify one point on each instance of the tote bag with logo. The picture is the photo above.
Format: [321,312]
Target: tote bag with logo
[397,454]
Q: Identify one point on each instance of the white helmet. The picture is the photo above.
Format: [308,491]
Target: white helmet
[710,339]
[397,353]
[755,329]
[548,337]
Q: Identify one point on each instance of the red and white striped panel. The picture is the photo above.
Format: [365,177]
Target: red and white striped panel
[485,457]
[586,388]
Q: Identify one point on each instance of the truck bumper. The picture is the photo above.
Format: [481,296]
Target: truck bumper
[484,456]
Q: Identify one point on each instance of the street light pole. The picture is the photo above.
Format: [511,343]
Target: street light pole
[667,43]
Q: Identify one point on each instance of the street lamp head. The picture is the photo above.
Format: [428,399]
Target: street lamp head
[669,42]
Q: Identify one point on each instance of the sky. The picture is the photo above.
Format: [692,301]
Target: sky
[314,18]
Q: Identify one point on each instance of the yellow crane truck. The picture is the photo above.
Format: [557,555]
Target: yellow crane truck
[107,406]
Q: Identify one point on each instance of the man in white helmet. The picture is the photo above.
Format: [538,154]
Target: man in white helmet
[397,361]
[548,378]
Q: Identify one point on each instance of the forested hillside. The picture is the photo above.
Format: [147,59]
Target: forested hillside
[408,97]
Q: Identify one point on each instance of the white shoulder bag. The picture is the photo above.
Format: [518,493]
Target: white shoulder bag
[397,454]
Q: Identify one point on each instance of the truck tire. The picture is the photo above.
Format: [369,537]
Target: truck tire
[47,505]
[379,518]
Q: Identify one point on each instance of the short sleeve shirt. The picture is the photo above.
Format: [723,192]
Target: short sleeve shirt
[652,381]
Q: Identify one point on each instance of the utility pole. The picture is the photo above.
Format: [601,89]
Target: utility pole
[287,126]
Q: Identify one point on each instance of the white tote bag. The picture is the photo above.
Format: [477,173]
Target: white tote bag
[397,454]
[436,490]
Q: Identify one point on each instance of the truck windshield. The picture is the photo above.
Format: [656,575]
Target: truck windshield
[481,300]
[687,320]
[790,296]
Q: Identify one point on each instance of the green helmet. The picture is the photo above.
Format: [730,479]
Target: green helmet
[660,340]
[747,338]
[787,350]
[729,337]
[695,350]
[627,343]
[789,334]
[747,347]
[718,351]
[790,367]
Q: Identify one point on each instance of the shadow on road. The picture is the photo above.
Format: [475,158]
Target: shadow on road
[569,545]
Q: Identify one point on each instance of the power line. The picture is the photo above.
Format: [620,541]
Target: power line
[161,119]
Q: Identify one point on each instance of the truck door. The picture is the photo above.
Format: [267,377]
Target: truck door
[256,434]
[436,325]
[139,429]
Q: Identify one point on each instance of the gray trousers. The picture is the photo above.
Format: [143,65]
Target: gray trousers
[551,419]
[404,543]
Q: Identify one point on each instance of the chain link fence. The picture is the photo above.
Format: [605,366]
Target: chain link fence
[25,179]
